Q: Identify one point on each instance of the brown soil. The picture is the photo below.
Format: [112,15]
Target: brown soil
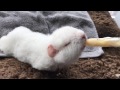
[104,67]
[104,24]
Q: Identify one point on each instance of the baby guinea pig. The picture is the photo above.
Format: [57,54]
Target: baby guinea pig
[44,52]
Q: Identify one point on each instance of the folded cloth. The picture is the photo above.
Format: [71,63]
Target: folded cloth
[48,21]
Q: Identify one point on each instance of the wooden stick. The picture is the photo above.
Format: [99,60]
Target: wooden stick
[104,42]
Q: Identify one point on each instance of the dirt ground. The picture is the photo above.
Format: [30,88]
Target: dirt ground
[104,67]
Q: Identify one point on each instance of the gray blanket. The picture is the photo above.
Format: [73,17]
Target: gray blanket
[47,21]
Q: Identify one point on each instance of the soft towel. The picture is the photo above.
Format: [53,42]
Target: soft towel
[48,21]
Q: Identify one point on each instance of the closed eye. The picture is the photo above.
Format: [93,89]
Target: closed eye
[67,44]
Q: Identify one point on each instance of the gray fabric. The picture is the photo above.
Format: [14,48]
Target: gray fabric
[47,21]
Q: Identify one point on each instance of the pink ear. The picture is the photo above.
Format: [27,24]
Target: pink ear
[52,51]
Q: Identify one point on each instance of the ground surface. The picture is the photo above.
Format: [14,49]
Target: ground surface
[104,67]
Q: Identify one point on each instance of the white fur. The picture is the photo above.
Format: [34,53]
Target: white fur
[31,47]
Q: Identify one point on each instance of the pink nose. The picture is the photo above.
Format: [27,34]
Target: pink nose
[83,36]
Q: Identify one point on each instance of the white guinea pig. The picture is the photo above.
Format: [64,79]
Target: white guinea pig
[44,52]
